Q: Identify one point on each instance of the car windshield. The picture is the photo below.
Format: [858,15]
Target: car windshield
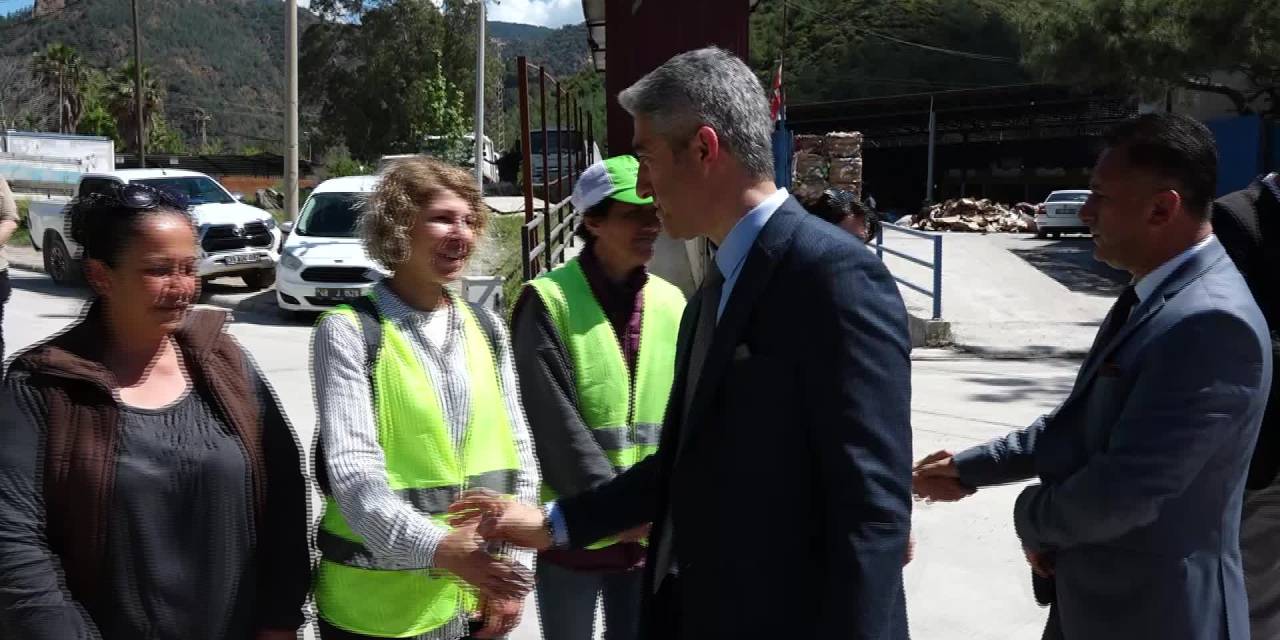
[1068,197]
[329,215]
[196,189]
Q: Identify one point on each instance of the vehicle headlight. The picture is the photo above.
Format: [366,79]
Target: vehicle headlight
[270,223]
[290,261]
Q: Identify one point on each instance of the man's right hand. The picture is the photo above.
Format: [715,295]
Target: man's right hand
[462,554]
[502,519]
[936,478]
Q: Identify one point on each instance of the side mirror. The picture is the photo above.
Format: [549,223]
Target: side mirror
[238,196]
[286,227]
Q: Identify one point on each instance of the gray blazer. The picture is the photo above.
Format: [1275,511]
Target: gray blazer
[1143,466]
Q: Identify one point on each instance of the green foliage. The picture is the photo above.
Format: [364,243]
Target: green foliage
[339,163]
[22,235]
[438,120]
[123,106]
[1155,45]
[161,138]
[64,75]
[226,57]
[840,49]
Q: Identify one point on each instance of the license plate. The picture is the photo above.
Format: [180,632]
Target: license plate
[339,294]
[242,259]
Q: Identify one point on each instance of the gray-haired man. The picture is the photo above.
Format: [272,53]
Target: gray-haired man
[780,492]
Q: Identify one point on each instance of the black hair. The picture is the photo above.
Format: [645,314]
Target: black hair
[104,223]
[597,210]
[1175,147]
[834,205]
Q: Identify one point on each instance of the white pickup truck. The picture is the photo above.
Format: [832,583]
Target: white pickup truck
[235,239]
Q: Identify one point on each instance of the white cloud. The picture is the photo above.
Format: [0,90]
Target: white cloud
[547,13]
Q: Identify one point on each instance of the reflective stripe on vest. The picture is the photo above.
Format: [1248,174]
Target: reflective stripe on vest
[354,590]
[625,415]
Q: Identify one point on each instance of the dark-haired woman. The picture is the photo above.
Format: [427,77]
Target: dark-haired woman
[150,486]
[842,209]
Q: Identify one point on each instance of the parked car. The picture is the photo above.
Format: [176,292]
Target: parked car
[1060,213]
[235,239]
[323,263]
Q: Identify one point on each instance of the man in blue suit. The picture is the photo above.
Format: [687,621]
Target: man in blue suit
[1133,530]
[780,492]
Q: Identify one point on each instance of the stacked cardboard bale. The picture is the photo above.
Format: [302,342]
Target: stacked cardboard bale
[831,161]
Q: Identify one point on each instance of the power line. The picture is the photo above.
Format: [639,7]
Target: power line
[927,47]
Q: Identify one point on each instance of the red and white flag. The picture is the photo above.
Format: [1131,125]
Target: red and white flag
[775,103]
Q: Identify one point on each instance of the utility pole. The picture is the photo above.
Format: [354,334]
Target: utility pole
[137,87]
[202,119]
[291,116]
[479,132]
[933,131]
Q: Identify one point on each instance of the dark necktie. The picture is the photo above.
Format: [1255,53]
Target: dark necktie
[1118,316]
[703,332]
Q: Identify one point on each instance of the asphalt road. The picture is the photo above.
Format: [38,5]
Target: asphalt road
[968,580]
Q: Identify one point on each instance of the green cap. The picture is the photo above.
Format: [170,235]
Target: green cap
[613,178]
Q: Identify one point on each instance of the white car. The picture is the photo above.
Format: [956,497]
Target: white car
[235,238]
[1060,213]
[323,263]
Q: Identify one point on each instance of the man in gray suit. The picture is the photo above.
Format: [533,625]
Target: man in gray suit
[1133,530]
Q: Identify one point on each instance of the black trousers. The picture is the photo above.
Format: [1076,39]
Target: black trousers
[330,632]
[4,298]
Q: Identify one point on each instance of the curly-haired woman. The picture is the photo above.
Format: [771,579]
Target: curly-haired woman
[416,399]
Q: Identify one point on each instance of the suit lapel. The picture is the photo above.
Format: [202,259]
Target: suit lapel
[752,280]
[1190,271]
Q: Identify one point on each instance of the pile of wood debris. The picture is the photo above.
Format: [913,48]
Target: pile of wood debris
[979,216]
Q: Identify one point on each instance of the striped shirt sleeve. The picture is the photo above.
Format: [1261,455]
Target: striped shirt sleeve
[355,463]
[527,481]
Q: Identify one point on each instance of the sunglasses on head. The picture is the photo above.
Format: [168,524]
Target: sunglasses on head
[142,197]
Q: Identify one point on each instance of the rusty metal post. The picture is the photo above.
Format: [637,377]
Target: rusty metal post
[563,163]
[546,175]
[526,164]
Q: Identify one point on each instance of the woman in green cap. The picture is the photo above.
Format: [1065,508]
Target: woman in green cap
[595,343]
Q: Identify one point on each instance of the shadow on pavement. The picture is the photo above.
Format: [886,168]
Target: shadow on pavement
[1070,261]
[1012,389]
[40,283]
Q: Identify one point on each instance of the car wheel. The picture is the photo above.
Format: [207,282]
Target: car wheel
[58,262]
[259,279]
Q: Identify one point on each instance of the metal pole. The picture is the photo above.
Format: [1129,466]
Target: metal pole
[291,116]
[933,129]
[526,164]
[937,277]
[479,130]
[546,176]
[137,87]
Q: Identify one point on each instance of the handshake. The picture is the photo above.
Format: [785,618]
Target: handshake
[936,479]
[479,519]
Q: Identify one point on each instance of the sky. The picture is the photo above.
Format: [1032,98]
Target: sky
[547,13]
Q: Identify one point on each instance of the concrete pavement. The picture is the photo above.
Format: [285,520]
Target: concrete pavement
[968,580]
[1011,295]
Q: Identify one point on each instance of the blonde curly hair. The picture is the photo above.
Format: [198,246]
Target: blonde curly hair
[405,186]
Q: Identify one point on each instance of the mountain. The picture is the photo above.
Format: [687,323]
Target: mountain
[222,56]
[226,57]
[513,31]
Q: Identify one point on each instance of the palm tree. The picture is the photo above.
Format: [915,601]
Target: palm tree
[124,106]
[60,69]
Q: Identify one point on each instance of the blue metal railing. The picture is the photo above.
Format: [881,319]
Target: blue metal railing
[935,266]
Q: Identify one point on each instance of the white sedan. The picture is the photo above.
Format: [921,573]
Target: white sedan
[323,263]
[1060,213]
